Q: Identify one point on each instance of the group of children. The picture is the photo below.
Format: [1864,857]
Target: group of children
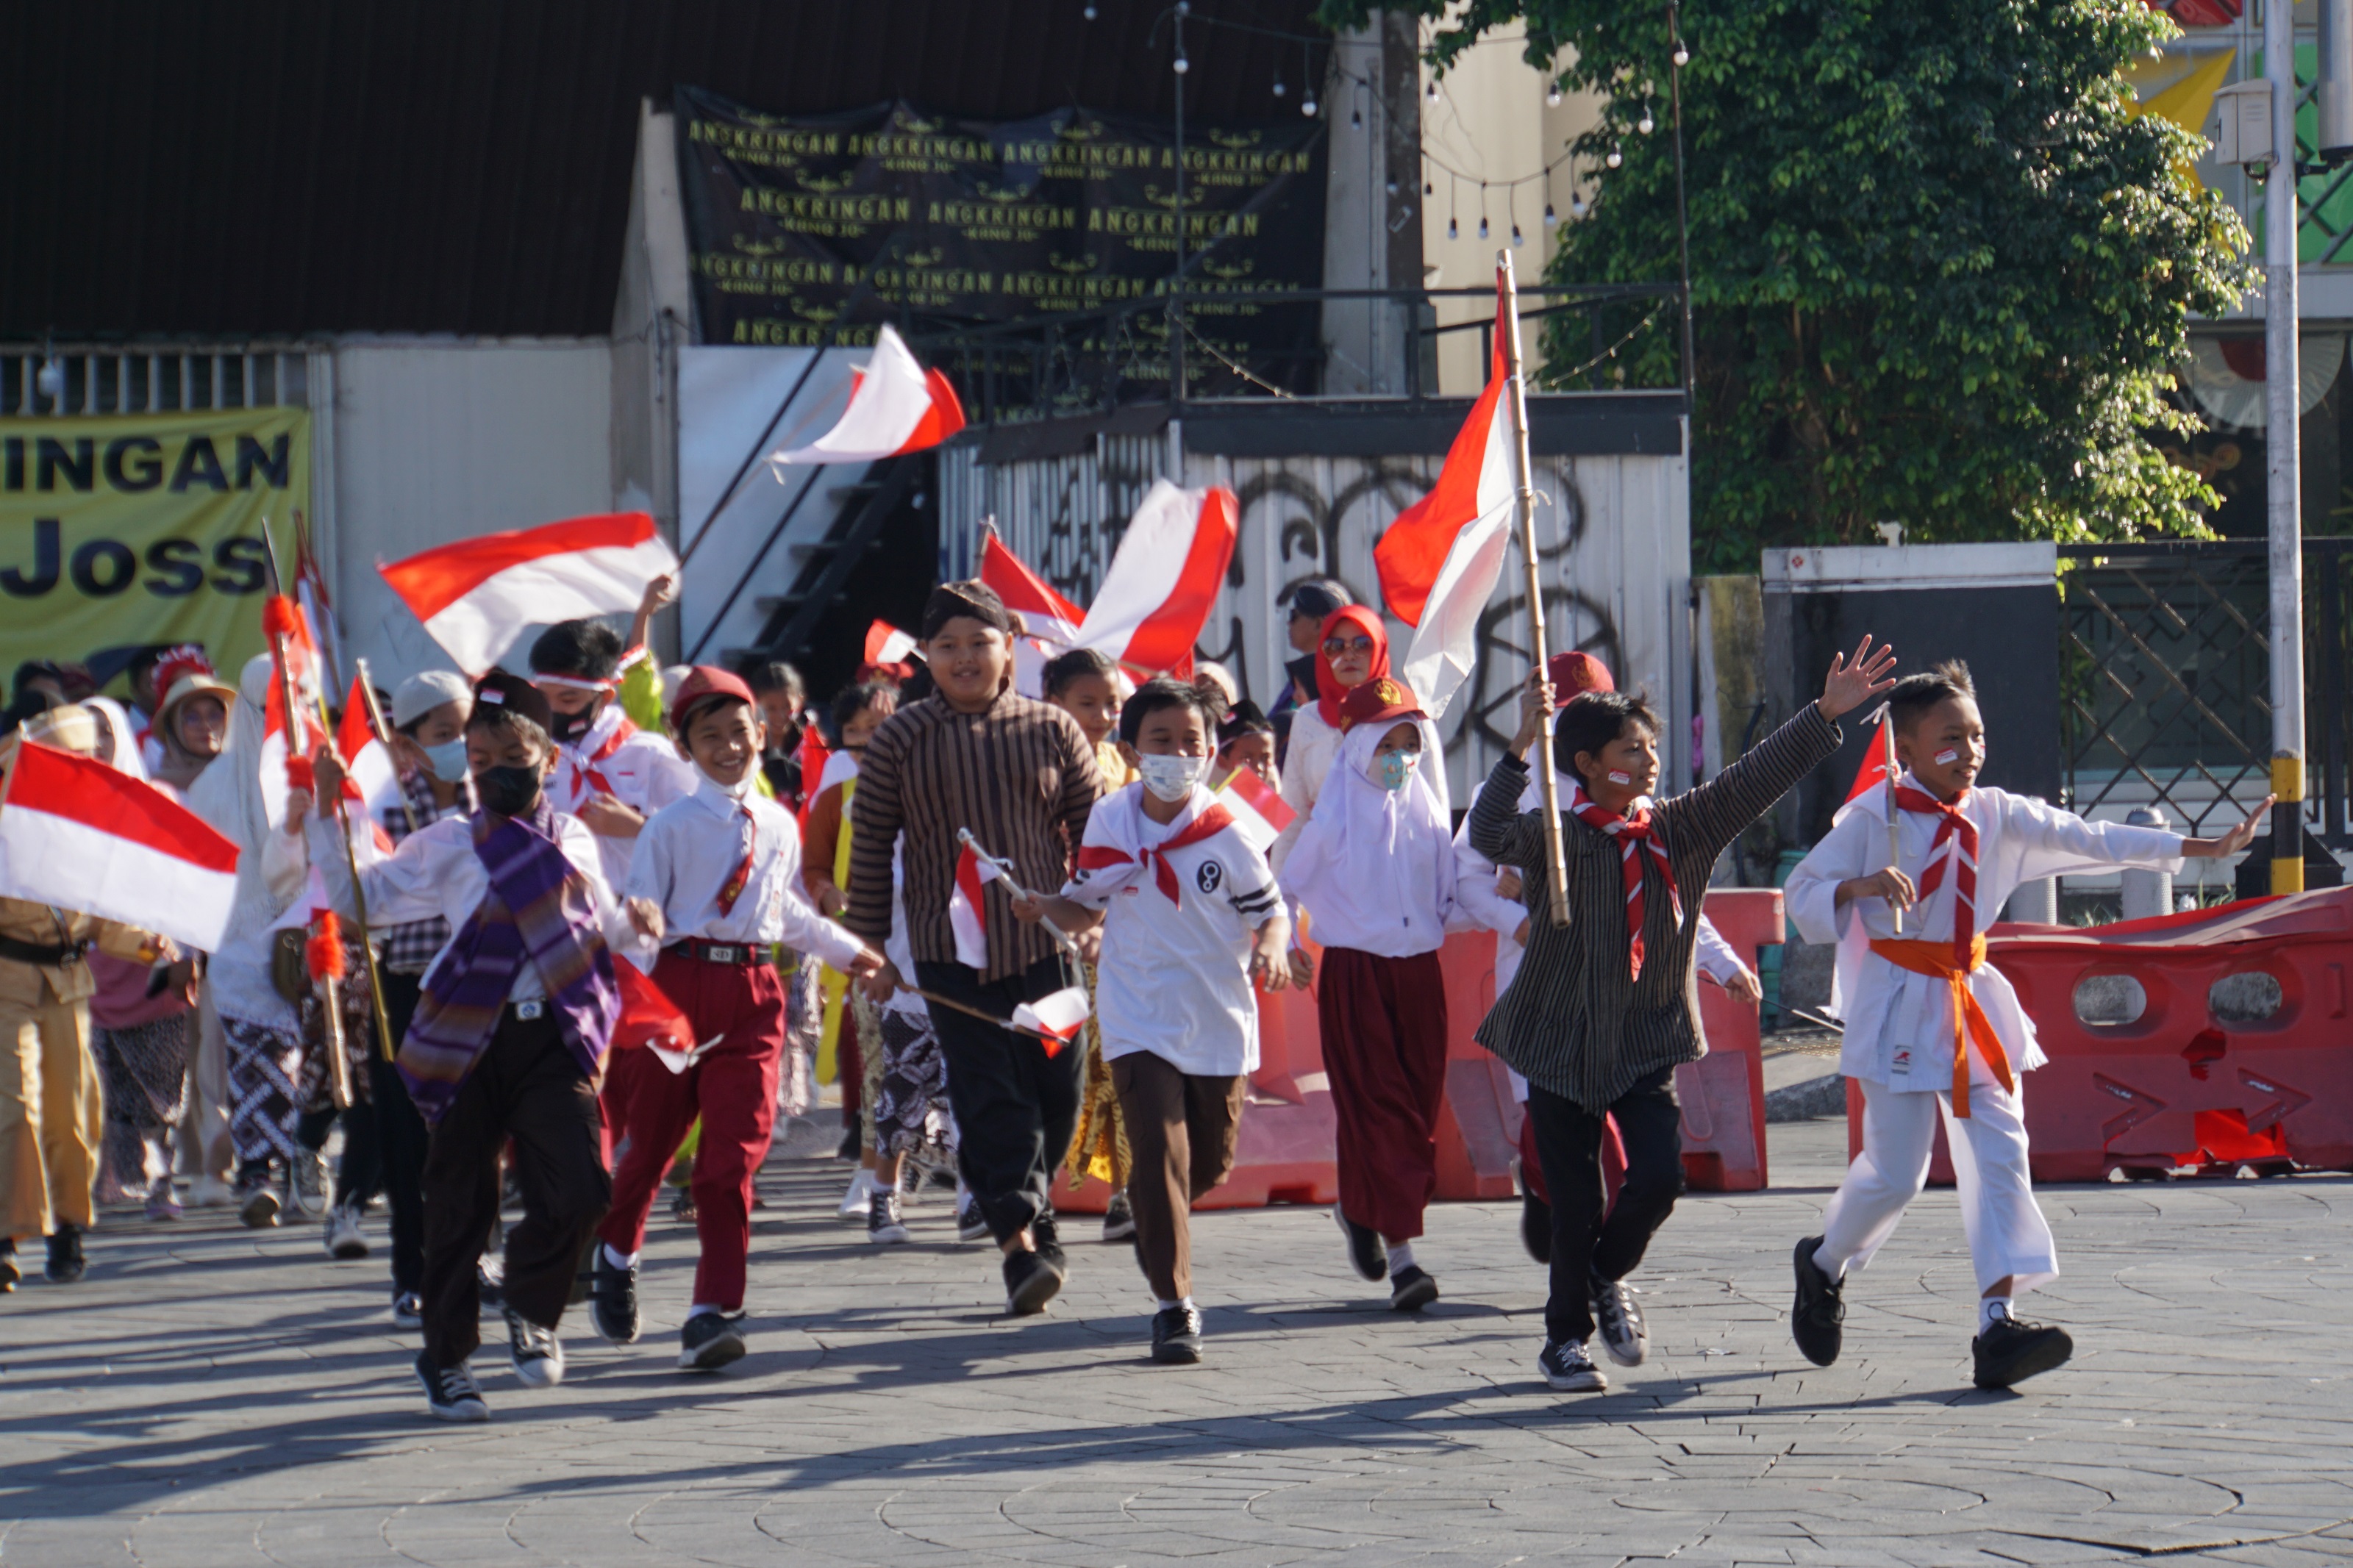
[970,856]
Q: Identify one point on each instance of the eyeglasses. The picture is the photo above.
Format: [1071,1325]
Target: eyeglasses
[1335,647]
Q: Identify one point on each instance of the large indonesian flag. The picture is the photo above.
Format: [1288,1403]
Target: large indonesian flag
[78,834]
[477,596]
[1440,561]
[1164,579]
[895,406]
[1260,814]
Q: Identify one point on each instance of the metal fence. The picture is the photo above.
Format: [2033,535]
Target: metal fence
[150,380]
[2165,681]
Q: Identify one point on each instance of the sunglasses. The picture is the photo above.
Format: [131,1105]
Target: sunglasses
[1335,647]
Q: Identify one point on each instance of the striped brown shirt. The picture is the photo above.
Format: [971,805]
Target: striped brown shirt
[1020,775]
[1575,1020]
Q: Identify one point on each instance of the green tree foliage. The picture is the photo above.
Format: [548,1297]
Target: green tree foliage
[1940,275]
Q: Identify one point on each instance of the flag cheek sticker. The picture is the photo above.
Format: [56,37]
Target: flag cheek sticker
[1619,777]
[1948,757]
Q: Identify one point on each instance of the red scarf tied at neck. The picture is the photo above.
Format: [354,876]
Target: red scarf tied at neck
[1635,840]
[1955,827]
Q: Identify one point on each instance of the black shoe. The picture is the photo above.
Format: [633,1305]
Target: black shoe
[65,1256]
[710,1341]
[1411,1288]
[536,1352]
[681,1207]
[971,1224]
[1535,1228]
[1176,1336]
[1367,1255]
[450,1392]
[407,1309]
[1819,1311]
[851,1147]
[1119,1219]
[1050,1241]
[613,1299]
[1570,1369]
[1619,1320]
[9,1272]
[885,1226]
[1032,1280]
[2011,1351]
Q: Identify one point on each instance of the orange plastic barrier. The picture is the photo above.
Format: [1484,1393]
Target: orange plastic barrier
[2182,1084]
[1722,1093]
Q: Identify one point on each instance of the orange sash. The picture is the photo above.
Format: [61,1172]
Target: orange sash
[1935,960]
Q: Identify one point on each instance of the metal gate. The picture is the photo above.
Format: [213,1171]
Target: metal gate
[2165,681]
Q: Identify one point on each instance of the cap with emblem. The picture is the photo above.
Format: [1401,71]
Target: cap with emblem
[1377,702]
[704,685]
[1574,674]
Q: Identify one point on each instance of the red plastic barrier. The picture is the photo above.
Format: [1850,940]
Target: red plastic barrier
[2179,1085]
[1722,1093]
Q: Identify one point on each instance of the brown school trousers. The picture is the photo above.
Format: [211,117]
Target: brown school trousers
[1182,1129]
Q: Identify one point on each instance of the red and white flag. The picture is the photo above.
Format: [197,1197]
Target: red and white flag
[370,775]
[1874,760]
[1164,579]
[477,596]
[968,911]
[886,644]
[1260,814]
[1047,616]
[896,406]
[287,742]
[77,834]
[649,1019]
[1440,561]
[1058,1016]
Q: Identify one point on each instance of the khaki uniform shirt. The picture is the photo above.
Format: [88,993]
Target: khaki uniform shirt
[26,986]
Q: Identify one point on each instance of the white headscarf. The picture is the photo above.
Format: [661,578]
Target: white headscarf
[1374,868]
[228,794]
[125,756]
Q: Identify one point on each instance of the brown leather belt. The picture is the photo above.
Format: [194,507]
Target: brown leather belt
[33,952]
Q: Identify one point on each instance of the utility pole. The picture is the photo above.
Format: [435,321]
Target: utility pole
[2281,380]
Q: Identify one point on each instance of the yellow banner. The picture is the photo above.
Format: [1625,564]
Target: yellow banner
[122,531]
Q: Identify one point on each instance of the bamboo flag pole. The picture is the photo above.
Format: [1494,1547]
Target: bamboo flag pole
[1887,764]
[1516,399]
[383,733]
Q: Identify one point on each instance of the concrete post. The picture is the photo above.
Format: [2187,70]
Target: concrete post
[2147,893]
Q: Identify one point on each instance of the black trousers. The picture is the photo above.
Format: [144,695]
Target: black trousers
[391,1159]
[1015,1106]
[1568,1143]
[526,1086]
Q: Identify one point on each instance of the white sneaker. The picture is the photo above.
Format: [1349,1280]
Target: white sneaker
[1624,1333]
[306,1182]
[860,1192]
[344,1239]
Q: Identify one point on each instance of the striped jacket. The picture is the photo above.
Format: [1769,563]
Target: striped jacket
[1574,1021]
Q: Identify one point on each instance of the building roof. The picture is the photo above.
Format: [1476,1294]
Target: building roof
[261,168]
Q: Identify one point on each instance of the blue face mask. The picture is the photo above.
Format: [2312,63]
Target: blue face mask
[448,760]
[1393,770]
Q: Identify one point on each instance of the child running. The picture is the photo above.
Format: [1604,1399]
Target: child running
[1190,918]
[1932,1029]
[715,879]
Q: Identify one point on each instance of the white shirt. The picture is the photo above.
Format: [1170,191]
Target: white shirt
[691,847]
[1899,1024]
[1306,761]
[436,872]
[644,771]
[1173,978]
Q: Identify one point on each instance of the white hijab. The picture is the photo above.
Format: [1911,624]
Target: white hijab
[228,793]
[1374,868]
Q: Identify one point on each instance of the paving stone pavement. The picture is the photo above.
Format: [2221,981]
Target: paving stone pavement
[212,1396]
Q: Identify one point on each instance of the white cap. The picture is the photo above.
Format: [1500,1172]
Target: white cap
[421,694]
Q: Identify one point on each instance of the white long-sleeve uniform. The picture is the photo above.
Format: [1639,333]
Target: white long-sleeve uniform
[639,769]
[691,847]
[1899,1024]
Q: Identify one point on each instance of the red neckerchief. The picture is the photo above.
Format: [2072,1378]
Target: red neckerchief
[1634,840]
[588,769]
[1216,819]
[1953,826]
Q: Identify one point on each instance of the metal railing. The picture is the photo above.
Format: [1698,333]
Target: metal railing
[2165,680]
[132,379]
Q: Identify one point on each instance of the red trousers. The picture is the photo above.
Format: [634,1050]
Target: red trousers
[1383,1021]
[733,1087]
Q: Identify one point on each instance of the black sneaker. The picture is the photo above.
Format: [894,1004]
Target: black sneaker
[1570,1369]
[1624,1333]
[450,1392]
[681,1207]
[1050,1241]
[613,1299]
[850,1145]
[1119,1219]
[1176,1336]
[407,1309]
[2011,1351]
[1032,1280]
[884,1225]
[1817,1318]
[1411,1288]
[1367,1255]
[537,1353]
[9,1272]
[65,1256]
[710,1341]
[971,1224]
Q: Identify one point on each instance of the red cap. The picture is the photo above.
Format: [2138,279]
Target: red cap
[706,683]
[1381,699]
[1573,674]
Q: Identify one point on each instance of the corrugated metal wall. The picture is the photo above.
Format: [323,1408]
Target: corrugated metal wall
[1614,533]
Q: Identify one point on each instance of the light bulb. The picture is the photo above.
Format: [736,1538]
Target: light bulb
[1682,57]
[1576,206]
[1482,226]
[1428,189]
[1278,84]
[1646,124]
[1356,117]
[1392,188]
[1515,234]
[1433,89]
[1551,218]
[51,379]
[1181,65]
[1089,13]
[1307,106]
[1615,158]
[1552,98]
[1451,231]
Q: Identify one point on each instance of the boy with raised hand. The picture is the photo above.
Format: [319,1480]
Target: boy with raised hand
[715,878]
[509,1033]
[1191,916]
[609,773]
[1931,1028]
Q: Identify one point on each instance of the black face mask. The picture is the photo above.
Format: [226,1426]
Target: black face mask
[569,727]
[508,791]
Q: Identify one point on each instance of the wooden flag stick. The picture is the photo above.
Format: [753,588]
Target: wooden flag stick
[1887,764]
[383,732]
[1516,399]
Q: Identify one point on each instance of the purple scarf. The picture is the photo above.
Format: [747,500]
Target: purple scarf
[540,908]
